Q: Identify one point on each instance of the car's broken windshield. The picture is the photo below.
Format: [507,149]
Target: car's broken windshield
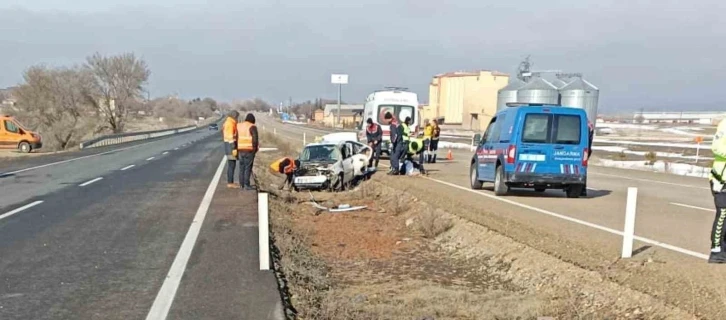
[319,153]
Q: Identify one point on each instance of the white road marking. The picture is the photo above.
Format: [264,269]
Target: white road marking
[165,152]
[128,167]
[693,207]
[578,221]
[27,206]
[74,159]
[90,181]
[150,158]
[165,297]
[648,180]
[176,148]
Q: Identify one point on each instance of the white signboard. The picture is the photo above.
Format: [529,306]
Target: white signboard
[339,79]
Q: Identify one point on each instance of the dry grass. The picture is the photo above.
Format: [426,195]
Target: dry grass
[433,222]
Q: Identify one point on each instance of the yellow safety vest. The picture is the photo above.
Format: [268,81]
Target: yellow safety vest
[428,132]
[718,148]
[406,132]
[415,146]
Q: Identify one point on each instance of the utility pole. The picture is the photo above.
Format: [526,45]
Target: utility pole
[340,80]
[340,87]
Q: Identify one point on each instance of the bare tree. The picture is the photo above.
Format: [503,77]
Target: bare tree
[54,102]
[118,86]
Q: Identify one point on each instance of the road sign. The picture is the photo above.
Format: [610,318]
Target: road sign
[339,79]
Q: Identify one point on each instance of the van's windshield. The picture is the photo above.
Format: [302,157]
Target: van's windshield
[400,112]
[551,129]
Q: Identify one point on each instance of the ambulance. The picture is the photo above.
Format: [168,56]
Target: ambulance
[400,103]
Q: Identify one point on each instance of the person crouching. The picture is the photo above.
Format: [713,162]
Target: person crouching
[286,166]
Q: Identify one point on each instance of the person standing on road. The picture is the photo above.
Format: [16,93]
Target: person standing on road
[404,137]
[434,144]
[591,135]
[248,143]
[374,135]
[393,148]
[718,189]
[229,136]
[428,133]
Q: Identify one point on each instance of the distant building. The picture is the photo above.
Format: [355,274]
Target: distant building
[349,114]
[696,117]
[319,115]
[468,99]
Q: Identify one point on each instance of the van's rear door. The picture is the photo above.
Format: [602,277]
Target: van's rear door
[550,144]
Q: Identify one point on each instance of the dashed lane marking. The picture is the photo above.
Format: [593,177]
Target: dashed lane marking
[128,167]
[25,207]
[692,207]
[150,158]
[90,181]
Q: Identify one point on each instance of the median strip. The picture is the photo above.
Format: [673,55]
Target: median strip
[90,181]
[27,206]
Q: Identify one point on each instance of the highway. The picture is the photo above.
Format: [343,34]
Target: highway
[672,210]
[135,231]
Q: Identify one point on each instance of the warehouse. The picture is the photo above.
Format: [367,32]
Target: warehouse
[468,99]
[349,114]
[704,117]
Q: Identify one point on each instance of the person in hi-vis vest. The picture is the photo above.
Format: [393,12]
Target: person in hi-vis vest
[229,136]
[718,189]
[248,143]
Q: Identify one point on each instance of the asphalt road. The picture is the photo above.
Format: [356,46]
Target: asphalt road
[99,236]
[672,210]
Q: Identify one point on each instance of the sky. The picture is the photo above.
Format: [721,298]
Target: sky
[656,55]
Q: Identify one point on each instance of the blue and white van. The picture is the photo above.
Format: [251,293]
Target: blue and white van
[533,146]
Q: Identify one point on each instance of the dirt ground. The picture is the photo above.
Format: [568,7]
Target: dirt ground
[406,258]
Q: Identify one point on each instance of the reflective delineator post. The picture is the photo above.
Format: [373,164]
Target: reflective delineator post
[304,139]
[264,231]
[629,230]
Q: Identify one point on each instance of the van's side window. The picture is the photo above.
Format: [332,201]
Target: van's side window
[10,126]
[536,128]
[496,132]
[488,132]
[567,129]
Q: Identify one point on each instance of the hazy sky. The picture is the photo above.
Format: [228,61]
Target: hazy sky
[640,53]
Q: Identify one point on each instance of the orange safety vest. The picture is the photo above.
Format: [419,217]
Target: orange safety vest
[229,130]
[289,168]
[244,138]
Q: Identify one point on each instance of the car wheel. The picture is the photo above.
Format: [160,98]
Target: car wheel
[500,187]
[574,190]
[24,147]
[474,177]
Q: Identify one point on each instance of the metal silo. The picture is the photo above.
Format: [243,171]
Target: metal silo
[558,83]
[581,94]
[538,90]
[508,93]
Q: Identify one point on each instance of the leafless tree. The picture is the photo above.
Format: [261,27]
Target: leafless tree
[118,86]
[53,100]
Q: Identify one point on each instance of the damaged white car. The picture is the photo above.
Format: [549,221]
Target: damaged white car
[331,165]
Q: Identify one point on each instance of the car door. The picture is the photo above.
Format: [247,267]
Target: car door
[489,152]
[347,156]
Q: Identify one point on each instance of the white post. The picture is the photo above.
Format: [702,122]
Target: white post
[264,232]
[304,139]
[629,231]
[274,130]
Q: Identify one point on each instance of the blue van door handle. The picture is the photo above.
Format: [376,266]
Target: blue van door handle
[559,147]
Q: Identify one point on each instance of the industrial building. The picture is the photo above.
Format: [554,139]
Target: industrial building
[694,117]
[468,99]
[565,89]
[349,114]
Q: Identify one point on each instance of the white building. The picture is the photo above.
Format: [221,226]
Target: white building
[697,117]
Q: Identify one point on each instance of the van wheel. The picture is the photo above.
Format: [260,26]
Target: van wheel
[474,177]
[24,147]
[574,190]
[500,187]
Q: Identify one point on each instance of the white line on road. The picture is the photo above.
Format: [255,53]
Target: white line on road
[165,297]
[165,152]
[692,207]
[648,180]
[578,221]
[74,159]
[90,181]
[128,167]
[176,148]
[27,206]
[150,158]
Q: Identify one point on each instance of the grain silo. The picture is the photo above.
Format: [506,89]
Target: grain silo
[538,90]
[558,83]
[508,93]
[581,94]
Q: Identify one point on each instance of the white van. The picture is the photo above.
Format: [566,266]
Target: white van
[399,103]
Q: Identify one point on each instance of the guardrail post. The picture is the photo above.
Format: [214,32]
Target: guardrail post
[304,139]
[629,232]
[263,228]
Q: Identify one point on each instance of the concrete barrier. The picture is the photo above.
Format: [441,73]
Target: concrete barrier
[120,138]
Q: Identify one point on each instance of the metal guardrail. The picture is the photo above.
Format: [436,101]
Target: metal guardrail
[119,138]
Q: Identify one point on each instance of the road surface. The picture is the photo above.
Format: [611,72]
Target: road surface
[147,229]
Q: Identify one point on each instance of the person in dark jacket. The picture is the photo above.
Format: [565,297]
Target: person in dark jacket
[374,135]
[591,134]
[248,143]
[392,151]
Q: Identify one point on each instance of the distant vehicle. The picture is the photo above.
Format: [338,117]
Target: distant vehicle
[213,127]
[329,165]
[400,103]
[13,135]
[533,146]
